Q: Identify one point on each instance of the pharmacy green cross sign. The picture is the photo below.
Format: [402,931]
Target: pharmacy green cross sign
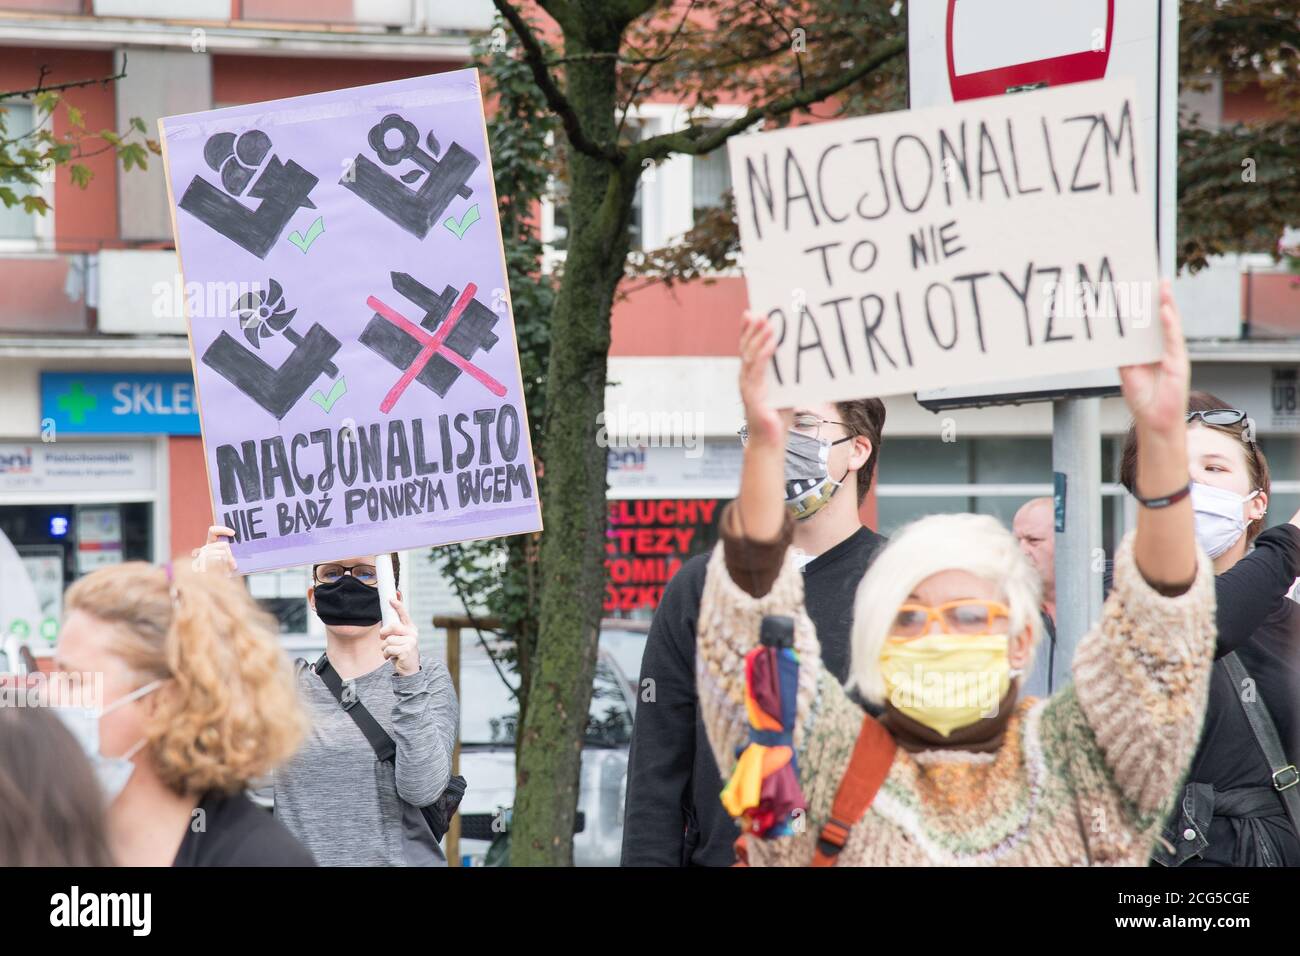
[120,403]
[76,402]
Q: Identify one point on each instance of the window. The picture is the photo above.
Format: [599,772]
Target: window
[1283,454]
[555,208]
[710,180]
[634,130]
[993,476]
[283,594]
[668,194]
[636,226]
[15,222]
[555,233]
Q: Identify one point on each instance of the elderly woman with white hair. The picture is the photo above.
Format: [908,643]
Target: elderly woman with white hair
[954,771]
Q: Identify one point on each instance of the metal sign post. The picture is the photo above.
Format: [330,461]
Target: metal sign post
[1080,559]
[966,50]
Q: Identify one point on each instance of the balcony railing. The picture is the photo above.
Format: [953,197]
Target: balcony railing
[462,16]
[47,292]
[1270,305]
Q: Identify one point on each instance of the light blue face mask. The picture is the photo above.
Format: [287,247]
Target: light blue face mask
[112,772]
[1218,517]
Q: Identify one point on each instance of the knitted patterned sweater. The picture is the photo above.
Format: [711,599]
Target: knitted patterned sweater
[1084,777]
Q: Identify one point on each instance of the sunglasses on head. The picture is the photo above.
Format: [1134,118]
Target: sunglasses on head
[1218,416]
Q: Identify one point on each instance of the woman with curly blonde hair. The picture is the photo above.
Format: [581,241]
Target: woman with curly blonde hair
[196,700]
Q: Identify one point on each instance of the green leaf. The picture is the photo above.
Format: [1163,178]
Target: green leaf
[110,137]
[8,196]
[81,175]
[45,102]
[35,204]
[133,153]
[75,117]
[137,123]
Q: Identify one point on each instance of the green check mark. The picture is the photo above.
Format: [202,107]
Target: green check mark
[304,242]
[327,401]
[458,229]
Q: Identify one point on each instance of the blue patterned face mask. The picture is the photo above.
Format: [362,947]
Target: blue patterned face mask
[112,772]
[808,483]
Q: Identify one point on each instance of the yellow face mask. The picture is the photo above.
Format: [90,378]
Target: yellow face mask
[946,681]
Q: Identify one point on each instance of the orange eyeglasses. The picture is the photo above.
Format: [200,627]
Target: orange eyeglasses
[969,616]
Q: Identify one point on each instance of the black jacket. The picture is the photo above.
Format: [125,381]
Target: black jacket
[1257,621]
[234,831]
[674,814]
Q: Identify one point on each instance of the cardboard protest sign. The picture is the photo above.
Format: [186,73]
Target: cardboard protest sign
[354,352]
[990,240]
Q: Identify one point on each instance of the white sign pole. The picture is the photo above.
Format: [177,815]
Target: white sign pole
[387,588]
[1076,463]
[1076,423]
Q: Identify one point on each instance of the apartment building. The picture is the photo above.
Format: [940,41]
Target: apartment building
[100,458]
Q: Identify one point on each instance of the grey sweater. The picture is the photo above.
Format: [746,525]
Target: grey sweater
[345,805]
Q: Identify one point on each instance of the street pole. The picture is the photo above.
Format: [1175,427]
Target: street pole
[1076,462]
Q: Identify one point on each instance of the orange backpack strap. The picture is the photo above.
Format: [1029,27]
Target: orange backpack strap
[873,754]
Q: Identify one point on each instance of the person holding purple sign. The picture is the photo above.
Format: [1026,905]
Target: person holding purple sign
[355,364]
[383,725]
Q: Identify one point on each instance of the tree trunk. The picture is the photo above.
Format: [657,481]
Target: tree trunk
[573,489]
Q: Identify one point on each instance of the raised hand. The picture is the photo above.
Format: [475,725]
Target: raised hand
[215,555]
[757,345]
[760,503]
[1156,393]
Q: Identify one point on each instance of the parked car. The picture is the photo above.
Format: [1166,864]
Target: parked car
[625,639]
[488,724]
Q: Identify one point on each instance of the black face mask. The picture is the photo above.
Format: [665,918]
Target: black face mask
[348,602]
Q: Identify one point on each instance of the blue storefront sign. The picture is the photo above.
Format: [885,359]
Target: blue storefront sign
[120,403]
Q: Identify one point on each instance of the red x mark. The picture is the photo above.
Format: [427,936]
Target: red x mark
[431,345]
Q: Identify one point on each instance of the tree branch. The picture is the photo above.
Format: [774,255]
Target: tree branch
[535,57]
[664,54]
[40,86]
[798,63]
[693,140]
[625,11]
[603,55]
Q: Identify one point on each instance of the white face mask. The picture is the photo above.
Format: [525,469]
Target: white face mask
[1219,520]
[112,772]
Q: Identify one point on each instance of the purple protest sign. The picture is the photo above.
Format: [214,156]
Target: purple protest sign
[350,323]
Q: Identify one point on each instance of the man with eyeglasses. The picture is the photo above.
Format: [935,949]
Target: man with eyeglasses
[344,801]
[673,815]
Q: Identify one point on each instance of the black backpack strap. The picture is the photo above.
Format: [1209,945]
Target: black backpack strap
[1286,779]
[380,742]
